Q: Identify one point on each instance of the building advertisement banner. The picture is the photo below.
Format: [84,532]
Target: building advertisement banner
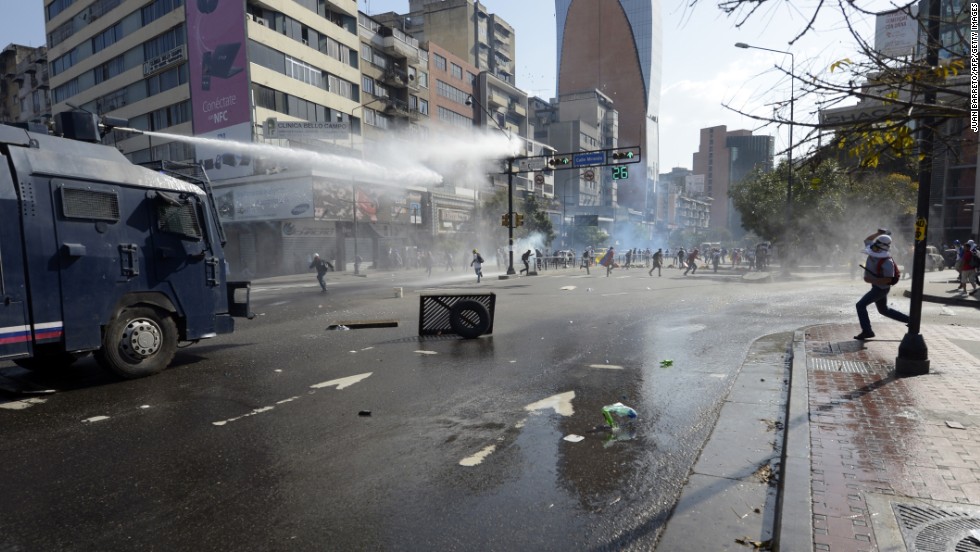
[265,201]
[216,48]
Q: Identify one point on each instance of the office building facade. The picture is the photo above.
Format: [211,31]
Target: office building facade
[615,47]
[724,158]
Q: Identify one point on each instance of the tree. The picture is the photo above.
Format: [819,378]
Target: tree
[536,220]
[588,236]
[893,88]
[830,204]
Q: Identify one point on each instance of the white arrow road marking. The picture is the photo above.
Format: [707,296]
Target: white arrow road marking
[561,403]
[342,383]
[477,458]
[21,404]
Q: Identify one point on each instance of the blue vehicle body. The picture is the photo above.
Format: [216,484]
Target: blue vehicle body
[100,255]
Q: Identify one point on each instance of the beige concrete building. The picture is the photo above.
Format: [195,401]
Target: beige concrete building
[24,95]
[463,27]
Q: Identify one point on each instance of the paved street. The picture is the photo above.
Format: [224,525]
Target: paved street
[286,435]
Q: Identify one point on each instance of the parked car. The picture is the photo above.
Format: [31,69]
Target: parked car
[949,256]
[934,261]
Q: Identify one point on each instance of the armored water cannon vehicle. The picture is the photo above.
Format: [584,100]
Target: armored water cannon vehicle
[98,255]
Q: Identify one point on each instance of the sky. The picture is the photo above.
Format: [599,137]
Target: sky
[701,67]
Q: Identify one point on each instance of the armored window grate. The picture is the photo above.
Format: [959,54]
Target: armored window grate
[179,219]
[90,204]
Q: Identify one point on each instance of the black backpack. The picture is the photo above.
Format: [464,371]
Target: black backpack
[479,258]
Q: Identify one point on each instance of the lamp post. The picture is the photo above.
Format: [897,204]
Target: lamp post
[353,184]
[470,100]
[789,154]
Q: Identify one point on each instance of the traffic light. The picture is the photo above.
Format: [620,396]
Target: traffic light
[519,219]
[626,155]
[559,161]
[505,220]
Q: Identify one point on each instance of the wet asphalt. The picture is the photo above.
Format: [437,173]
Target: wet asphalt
[288,436]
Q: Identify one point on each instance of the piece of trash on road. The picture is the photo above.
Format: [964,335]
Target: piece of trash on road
[954,425]
[426,352]
[364,413]
[567,288]
[612,413]
[758,545]
[666,363]
[572,438]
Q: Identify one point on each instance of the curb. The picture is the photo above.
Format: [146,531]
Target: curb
[794,510]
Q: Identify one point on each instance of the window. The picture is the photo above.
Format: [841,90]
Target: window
[457,71]
[451,92]
[106,38]
[367,85]
[178,216]
[439,61]
[423,79]
[454,118]
[90,204]
[423,106]
[56,7]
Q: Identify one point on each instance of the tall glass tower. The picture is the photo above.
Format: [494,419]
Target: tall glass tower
[616,47]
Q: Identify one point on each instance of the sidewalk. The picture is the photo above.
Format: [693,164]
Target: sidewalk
[894,463]
[865,462]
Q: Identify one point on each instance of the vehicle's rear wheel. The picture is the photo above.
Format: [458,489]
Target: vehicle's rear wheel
[139,342]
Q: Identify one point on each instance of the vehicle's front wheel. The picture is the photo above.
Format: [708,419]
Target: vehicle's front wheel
[139,342]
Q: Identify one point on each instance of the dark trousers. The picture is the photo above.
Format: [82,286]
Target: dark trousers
[879,297]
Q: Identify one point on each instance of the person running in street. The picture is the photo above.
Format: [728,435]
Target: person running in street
[477,264]
[879,271]
[586,261]
[321,267]
[526,259]
[608,261]
[691,264]
[658,262]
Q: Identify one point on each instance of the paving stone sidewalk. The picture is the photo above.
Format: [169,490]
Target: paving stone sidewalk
[895,462]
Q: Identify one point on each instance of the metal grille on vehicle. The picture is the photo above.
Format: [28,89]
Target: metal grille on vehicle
[90,204]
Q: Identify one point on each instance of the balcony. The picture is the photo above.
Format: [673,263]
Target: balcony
[398,108]
[396,78]
[398,44]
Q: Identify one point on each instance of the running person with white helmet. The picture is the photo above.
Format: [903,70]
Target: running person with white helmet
[879,271]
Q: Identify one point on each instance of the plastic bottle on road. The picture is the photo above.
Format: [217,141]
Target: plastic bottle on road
[614,412]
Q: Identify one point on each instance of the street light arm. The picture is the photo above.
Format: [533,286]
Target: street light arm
[470,100]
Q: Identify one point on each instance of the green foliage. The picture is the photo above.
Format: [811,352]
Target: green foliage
[536,221]
[587,236]
[829,203]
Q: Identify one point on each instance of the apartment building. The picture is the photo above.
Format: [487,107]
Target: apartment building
[24,88]
[724,157]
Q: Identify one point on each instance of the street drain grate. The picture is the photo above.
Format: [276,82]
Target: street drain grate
[828,365]
[932,529]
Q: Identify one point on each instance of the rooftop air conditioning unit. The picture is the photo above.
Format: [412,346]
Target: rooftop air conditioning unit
[262,21]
